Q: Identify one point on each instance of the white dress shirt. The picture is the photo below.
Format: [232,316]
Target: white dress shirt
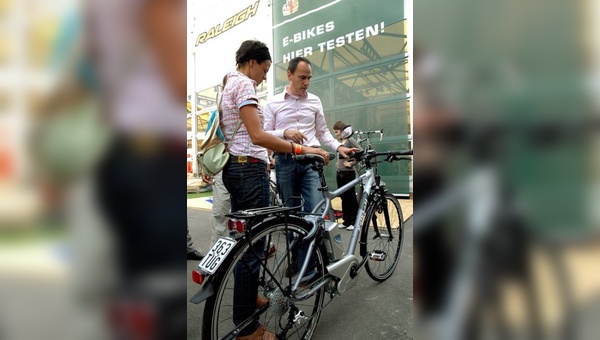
[302,113]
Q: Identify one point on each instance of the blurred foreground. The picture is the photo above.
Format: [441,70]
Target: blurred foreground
[92,206]
[507,231]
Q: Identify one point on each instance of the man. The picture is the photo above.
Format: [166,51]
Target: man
[221,206]
[297,116]
[192,253]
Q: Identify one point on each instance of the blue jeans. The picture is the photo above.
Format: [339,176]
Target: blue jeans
[294,179]
[248,185]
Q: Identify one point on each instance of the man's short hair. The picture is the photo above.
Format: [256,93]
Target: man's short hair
[294,63]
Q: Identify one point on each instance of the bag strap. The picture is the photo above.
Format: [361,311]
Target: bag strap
[234,132]
[236,128]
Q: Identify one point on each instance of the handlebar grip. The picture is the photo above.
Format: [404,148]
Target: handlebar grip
[357,155]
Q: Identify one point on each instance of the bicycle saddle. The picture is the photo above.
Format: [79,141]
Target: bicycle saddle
[312,159]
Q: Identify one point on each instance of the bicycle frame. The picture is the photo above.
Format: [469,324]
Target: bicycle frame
[338,268]
[347,267]
[368,180]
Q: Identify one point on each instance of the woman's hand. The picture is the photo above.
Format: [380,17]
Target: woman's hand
[316,151]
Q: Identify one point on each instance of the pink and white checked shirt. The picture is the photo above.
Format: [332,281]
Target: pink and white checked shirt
[239,92]
[302,113]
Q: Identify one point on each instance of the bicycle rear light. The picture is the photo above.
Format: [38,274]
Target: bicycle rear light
[236,226]
[197,277]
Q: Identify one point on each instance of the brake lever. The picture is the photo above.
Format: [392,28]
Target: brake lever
[391,158]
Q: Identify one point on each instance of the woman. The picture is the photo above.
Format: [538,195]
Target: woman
[245,175]
[344,175]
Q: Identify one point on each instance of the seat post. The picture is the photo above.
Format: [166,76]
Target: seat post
[319,168]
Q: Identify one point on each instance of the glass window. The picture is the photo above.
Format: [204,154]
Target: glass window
[392,117]
[390,43]
[374,83]
[202,120]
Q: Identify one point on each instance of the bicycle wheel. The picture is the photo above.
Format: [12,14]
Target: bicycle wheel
[382,238]
[290,317]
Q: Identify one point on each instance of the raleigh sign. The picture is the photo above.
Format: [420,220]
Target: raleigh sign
[228,24]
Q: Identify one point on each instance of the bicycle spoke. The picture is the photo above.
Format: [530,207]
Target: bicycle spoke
[273,285]
[384,245]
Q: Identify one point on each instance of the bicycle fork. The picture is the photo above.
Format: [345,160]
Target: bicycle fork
[380,255]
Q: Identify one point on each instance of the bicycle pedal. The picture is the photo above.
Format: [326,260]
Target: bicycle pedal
[377,255]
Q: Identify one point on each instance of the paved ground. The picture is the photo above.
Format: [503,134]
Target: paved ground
[369,310]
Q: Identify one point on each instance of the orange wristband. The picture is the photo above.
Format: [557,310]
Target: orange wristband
[297,149]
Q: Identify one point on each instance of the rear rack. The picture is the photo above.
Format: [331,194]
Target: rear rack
[263,212]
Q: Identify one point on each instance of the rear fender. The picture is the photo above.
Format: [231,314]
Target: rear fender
[204,293]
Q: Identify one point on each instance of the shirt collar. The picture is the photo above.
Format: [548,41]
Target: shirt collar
[295,96]
[240,74]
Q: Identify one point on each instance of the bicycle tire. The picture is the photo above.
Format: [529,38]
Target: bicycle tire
[387,240]
[218,312]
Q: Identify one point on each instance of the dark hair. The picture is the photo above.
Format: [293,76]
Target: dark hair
[294,63]
[339,125]
[252,50]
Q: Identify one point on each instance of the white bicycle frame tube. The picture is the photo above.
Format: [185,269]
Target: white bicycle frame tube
[324,206]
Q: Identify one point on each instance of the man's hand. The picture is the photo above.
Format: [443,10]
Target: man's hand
[344,151]
[294,135]
[205,178]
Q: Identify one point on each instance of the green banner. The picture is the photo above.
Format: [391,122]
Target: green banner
[319,26]
[358,56]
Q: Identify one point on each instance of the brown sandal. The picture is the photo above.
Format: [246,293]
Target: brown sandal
[259,334]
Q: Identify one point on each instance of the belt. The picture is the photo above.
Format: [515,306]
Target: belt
[244,159]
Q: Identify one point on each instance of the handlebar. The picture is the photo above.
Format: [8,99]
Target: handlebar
[391,156]
[368,133]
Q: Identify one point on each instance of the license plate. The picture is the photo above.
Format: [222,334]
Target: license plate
[215,256]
